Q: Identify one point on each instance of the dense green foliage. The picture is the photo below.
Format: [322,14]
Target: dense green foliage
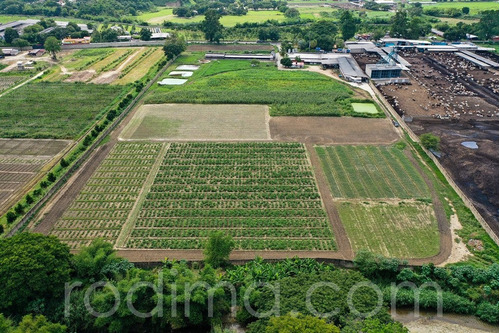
[291,93]
[33,269]
[174,46]
[430,141]
[53,110]
[30,324]
[299,324]
[218,249]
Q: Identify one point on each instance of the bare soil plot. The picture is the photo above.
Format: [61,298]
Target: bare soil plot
[193,122]
[333,130]
[20,162]
[402,229]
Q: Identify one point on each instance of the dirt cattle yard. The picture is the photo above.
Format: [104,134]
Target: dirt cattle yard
[457,101]
[20,162]
[333,130]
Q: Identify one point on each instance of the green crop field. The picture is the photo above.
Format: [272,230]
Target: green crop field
[402,230]
[371,172]
[263,194]
[288,93]
[172,195]
[52,110]
[102,207]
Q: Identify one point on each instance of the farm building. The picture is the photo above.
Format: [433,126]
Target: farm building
[350,70]
[71,41]
[36,52]
[383,71]
[10,52]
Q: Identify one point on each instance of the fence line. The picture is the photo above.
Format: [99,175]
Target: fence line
[446,174]
[57,185]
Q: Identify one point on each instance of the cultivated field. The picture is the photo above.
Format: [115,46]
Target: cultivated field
[372,172]
[198,122]
[53,110]
[104,66]
[102,207]
[7,81]
[172,195]
[404,229]
[288,93]
[21,161]
[333,130]
[263,194]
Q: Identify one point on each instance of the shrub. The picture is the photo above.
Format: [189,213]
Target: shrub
[51,177]
[64,163]
[29,199]
[19,209]
[11,217]
[430,141]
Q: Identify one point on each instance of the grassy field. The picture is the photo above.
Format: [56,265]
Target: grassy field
[226,20]
[371,172]
[293,93]
[9,80]
[475,7]
[52,110]
[198,122]
[402,230]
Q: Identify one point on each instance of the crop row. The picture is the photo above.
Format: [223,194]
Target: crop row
[167,180]
[271,195]
[136,62]
[116,62]
[229,204]
[232,188]
[232,222]
[236,233]
[240,244]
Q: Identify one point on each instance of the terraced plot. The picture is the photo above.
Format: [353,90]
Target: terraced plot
[372,172]
[394,229]
[263,194]
[102,207]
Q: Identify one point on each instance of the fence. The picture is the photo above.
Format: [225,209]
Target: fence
[85,155]
[448,177]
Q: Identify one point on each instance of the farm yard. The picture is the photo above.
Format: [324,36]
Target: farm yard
[404,229]
[288,93]
[21,161]
[53,110]
[172,195]
[104,66]
[198,122]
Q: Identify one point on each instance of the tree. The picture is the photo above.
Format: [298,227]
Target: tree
[9,35]
[465,10]
[33,271]
[347,25]
[285,46]
[38,324]
[218,249]
[377,34]
[29,199]
[11,216]
[145,34]
[488,24]
[174,46]
[20,43]
[292,13]
[53,46]
[430,141]
[211,26]
[399,26]
[286,62]
[299,324]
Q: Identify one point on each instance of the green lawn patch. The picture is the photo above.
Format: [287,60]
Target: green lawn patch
[53,110]
[364,108]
